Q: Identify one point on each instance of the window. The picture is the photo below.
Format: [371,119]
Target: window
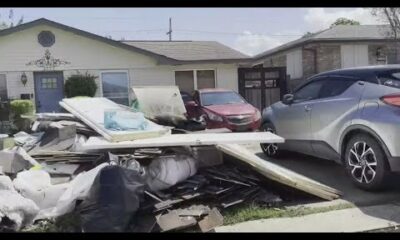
[191,80]
[309,91]
[335,86]
[3,88]
[115,87]
[205,79]
[220,98]
[294,64]
[49,83]
[185,80]
[46,38]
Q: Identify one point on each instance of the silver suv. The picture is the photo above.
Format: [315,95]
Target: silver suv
[351,116]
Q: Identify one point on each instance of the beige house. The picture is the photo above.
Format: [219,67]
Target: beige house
[37,57]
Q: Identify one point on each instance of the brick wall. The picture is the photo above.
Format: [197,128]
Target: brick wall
[388,55]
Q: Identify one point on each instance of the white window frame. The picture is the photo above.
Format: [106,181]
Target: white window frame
[195,74]
[117,71]
[294,64]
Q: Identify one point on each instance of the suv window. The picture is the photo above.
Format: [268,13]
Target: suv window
[334,86]
[309,91]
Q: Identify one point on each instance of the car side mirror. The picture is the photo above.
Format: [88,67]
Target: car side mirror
[191,104]
[288,99]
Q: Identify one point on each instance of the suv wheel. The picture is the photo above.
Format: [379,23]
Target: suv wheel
[366,163]
[269,149]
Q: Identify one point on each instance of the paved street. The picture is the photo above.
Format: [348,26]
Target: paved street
[333,175]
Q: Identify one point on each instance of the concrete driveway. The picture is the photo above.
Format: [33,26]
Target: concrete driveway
[333,175]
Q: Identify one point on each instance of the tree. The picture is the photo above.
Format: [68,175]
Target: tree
[390,16]
[10,22]
[344,21]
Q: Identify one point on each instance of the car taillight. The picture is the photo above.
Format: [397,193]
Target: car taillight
[393,99]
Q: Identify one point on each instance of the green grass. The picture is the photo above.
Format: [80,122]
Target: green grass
[254,212]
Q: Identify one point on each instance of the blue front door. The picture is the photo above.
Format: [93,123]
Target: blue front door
[49,89]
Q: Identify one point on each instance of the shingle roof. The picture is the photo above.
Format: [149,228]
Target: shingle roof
[337,33]
[165,52]
[189,50]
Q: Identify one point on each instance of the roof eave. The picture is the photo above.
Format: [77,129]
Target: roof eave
[43,21]
[258,58]
[205,61]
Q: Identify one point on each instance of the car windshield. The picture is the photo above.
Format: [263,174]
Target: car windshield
[186,97]
[220,98]
[390,79]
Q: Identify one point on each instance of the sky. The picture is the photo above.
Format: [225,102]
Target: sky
[249,30]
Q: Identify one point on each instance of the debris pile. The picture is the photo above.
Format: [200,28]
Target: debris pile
[119,175]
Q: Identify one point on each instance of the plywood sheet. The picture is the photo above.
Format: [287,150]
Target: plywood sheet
[280,174]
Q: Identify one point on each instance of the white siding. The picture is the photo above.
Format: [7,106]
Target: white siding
[294,64]
[19,48]
[85,54]
[354,55]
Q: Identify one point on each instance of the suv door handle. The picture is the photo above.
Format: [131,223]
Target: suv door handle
[307,108]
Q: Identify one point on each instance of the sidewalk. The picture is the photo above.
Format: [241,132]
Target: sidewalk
[346,220]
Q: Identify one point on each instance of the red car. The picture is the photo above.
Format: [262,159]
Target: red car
[222,109]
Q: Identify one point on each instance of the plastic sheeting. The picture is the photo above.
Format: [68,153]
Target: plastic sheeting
[166,171]
[112,201]
[15,210]
[78,189]
[123,120]
[36,185]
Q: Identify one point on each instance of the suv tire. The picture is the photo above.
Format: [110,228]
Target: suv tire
[270,149]
[366,163]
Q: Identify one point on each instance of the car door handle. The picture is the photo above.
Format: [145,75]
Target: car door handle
[307,108]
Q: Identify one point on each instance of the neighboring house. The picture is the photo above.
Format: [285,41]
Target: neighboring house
[341,46]
[46,53]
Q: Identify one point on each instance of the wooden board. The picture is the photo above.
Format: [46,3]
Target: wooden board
[278,173]
[193,139]
[91,112]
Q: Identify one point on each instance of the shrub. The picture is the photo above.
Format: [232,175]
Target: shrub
[18,108]
[80,85]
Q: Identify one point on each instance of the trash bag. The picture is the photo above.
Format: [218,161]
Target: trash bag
[112,201]
[77,190]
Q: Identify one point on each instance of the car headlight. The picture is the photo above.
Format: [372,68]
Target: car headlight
[214,117]
[258,115]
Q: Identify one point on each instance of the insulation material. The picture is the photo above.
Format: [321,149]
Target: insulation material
[160,103]
[166,171]
[192,139]
[15,160]
[91,111]
[36,185]
[15,211]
